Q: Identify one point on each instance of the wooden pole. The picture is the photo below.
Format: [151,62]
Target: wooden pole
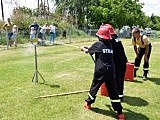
[62,94]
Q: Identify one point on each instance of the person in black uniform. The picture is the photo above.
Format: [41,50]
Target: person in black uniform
[144,49]
[64,34]
[104,70]
[120,60]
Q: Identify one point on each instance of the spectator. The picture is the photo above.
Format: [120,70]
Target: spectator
[148,31]
[104,70]
[32,33]
[36,27]
[43,33]
[52,33]
[15,31]
[141,30]
[8,26]
[64,34]
[121,32]
[101,24]
[133,27]
[126,31]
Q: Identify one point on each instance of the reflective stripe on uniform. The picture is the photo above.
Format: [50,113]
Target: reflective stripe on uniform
[92,98]
[145,68]
[136,67]
[120,95]
[118,100]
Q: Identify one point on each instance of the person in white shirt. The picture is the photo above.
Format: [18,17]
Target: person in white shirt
[32,33]
[14,36]
[148,31]
[43,33]
[52,33]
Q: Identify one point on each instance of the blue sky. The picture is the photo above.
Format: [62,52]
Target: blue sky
[151,6]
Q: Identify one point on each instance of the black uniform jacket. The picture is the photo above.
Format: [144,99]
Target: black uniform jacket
[103,56]
[119,56]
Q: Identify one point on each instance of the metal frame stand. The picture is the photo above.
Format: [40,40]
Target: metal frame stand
[35,76]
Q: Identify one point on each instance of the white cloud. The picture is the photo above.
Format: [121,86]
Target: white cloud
[151,7]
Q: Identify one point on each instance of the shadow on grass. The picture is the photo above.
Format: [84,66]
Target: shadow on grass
[129,115]
[135,81]
[135,101]
[104,112]
[154,80]
[52,86]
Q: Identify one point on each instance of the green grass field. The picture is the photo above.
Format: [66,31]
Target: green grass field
[67,69]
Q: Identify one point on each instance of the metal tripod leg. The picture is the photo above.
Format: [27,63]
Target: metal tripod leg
[41,76]
[35,76]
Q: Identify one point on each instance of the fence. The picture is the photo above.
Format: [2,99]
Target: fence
[73,36]
[127,34]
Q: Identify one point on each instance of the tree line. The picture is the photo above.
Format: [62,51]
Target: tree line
[88,13]
[115,12]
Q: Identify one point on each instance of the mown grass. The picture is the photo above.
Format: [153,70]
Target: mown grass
[67,69]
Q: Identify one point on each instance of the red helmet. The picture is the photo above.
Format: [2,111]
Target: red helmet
[104,33]
[111,29]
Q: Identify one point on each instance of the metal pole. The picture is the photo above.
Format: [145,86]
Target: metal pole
[38,9]
[2,10]
[35,76]
[36,67]
[70,35]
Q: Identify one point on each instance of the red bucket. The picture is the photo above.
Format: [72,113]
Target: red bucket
[129,75]
[103,90]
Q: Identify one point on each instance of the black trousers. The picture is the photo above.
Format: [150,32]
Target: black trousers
[120,70]
[107,76]
[141,52]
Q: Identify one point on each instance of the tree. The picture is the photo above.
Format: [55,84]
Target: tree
[118,13]
[115,12]
[155,22]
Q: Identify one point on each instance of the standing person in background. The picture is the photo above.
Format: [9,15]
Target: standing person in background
[148,31]
[102,24]
[15,31]
[133,26]
[64,34]
[43,33]
[121,32]
[144,48]
[52,33]
[8,26]
[141,30]
[36,27]
[32,33]
[120,60]
[104,70]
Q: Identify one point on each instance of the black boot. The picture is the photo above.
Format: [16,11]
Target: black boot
[135,70]
[145,75]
